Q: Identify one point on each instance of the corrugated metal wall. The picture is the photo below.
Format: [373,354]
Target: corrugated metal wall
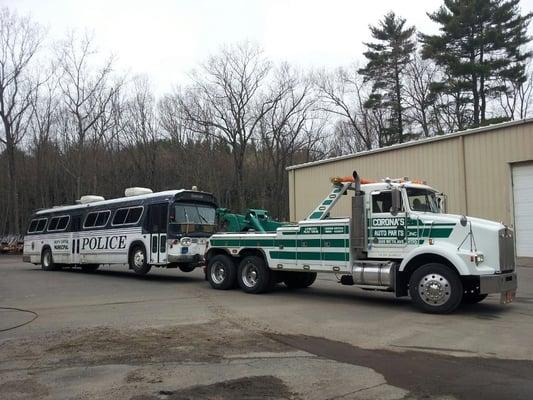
[473,169]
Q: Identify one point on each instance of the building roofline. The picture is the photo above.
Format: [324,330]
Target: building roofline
[481,129]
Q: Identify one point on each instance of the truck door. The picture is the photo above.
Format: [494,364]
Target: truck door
[156,225]
[385,231]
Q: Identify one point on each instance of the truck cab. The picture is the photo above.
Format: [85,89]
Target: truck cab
[398,238]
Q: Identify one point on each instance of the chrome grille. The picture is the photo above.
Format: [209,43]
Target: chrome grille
[506,246]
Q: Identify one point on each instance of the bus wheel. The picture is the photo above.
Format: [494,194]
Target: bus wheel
[254,276]
[187,267]
[138,261]
[221,272]
[89,267]
[435,288]
[299,280]
[47,260]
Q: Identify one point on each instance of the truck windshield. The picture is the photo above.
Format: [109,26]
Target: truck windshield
[197,214]
[422,200]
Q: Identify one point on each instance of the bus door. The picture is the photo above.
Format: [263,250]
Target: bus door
[157,221]
[75,227]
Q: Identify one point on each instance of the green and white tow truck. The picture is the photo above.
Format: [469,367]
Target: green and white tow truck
[398,239]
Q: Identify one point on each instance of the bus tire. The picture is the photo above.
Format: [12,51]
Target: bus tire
[254,276]
[47,260]
[299,280]
[89,267]
[471,298]
[186,267]
[436,288]
[138,260]
[221,272]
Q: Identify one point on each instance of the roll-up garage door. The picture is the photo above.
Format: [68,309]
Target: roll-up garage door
[523,208]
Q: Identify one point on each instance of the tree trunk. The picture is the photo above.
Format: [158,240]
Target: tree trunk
[10,149]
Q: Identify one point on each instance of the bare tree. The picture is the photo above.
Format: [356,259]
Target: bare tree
[419,96]
[287,128]
[227,102]
[20,39]
[141,130]
[86,94]
[343,95]
[515,102]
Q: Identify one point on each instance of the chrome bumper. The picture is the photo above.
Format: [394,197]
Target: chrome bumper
[497,283]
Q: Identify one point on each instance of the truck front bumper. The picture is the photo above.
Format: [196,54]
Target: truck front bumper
[498,283]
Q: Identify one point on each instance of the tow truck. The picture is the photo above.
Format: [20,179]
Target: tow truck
[398,239]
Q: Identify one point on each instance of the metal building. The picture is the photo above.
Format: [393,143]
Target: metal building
[486,172]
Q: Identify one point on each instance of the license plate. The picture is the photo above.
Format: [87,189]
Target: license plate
[184,250]
[507,297]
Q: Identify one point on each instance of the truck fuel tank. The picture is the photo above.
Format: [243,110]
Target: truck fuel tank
[378,274]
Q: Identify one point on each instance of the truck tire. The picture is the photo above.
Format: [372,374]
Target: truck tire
[221,272]
[471,298]
[138,260]
[89,267]
[435,288]
[254,276]
[186,268]
[299,280]
[47,260]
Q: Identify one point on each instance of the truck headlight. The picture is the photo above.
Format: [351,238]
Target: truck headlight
[186,241]
[479,259]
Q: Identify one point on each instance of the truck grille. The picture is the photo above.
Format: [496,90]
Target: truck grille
[506,245]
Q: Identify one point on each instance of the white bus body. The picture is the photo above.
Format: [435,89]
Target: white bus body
[164,229]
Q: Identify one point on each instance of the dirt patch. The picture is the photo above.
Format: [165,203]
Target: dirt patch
[23,388]
[208,342]
[256,388]
[428,374]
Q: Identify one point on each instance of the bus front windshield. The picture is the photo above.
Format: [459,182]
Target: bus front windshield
[423,200]
[193,214]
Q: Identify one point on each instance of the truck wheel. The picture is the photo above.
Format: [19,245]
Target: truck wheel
[299,280]
[89,267]
[221,272]
[435,288]
[471,298]
[138,261]
[186,268]
[47,260]
[254,276]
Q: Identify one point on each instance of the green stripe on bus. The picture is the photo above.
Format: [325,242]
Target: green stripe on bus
[316,215]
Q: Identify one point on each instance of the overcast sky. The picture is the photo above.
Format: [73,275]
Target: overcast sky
[165,39]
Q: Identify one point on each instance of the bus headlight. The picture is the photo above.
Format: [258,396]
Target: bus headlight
[186,241]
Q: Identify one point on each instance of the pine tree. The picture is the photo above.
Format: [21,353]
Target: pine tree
[387,58]
[480,43]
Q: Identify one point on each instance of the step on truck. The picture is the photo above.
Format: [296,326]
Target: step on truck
[398,239]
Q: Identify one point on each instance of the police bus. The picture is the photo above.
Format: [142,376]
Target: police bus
[143,229]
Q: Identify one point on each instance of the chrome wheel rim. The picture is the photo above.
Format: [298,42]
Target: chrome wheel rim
[138,259]
[434,289]
[250,275]
[218,273]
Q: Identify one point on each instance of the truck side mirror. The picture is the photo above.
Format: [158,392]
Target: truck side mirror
[396,201]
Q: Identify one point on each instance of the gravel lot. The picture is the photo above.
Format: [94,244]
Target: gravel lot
[112,334]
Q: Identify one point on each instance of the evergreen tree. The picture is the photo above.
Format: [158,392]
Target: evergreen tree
[481,43]
[387,58]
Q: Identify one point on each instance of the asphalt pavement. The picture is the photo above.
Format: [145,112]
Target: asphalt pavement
[112,334]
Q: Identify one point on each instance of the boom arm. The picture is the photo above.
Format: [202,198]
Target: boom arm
[322,210]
